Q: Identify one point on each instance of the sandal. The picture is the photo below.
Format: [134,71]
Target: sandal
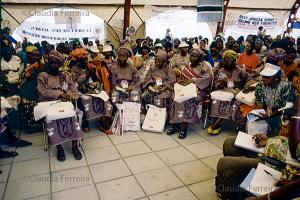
[107,131]
[214,131]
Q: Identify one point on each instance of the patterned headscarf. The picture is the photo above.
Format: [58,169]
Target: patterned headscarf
[30,49]
[126,49]
[78,53]
[56,55]
[198,52]
[162,54]
[230,54]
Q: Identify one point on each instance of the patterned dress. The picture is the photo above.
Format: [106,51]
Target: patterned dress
[275,98]
[188,111]
[121,77]
[49,89]
[225,109]
[154,75]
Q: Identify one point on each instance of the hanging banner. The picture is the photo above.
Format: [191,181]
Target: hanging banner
[59,25]
[247,24]
[56,33]
[252,23]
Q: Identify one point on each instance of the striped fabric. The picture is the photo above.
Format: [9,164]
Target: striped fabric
[210,10]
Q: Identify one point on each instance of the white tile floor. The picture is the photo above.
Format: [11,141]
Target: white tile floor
[136,166]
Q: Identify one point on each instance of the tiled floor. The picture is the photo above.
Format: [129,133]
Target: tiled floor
[135,166]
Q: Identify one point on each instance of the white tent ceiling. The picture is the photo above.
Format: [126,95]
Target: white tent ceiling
[108,9]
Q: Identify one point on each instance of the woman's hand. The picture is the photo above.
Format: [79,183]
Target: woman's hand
[260,140]
[65,97]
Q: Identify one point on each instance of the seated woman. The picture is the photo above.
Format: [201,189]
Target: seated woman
[159,82]
[98,81]
[199,73]
[229,78]
[34,64]
[271,94]
[125,82]
[56,85]
[78,62]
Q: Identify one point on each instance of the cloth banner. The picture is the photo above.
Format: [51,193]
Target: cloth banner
[210,10]
[56,33]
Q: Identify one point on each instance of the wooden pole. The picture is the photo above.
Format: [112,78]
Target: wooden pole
[220,26]
[127,6]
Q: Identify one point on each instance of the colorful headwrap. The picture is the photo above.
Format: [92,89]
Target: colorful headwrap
[30,49]
[56,55]
[198,52]
[260,42]
[75,41]
[162,55]
[230,54]
[78,53]
[126,49]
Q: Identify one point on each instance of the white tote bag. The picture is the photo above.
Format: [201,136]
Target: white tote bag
[155,119]
[246,98]
[132,116]
[60,110]
[256,127]
[183,93]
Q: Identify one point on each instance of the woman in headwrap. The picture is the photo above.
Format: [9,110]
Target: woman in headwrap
[28,89]
[187,112]
[78,59]
[216,56]
[97,82]
[229,78]
[147,62]
[159,82]
[12,68]
[125,82]
[56,85]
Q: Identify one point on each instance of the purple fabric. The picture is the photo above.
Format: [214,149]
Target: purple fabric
[63,130]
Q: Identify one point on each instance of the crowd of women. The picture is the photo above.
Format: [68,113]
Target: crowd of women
[146,71]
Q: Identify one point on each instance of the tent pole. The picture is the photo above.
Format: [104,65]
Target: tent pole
[220,26]
[126,16]
[10,15]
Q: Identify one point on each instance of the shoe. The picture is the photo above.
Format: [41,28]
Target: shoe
[77,154]
[172,131]
[214,131]
[182,135]
[8,154]
[86,130]
[108,132]
[61,157]
[20,143]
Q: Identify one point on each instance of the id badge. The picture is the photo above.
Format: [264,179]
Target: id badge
[65,86]
[230,84]
[124,84]
[158,81]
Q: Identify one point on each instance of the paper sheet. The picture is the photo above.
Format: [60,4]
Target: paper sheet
[263,182]
[254,114]
[245,141]
[102,95]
